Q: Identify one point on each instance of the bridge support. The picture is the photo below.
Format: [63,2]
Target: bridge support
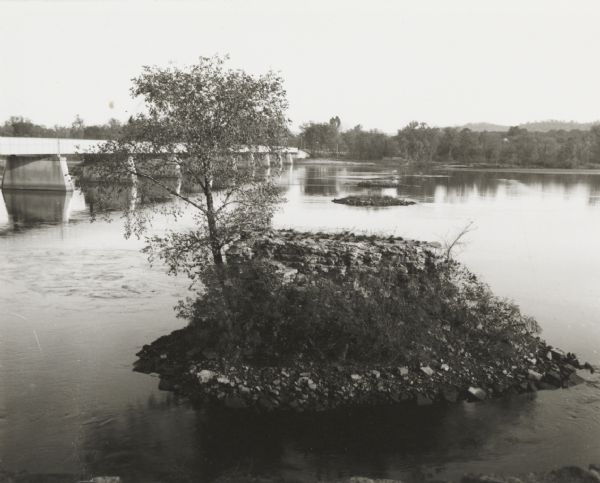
[266,160]
[37,206]
[37,173]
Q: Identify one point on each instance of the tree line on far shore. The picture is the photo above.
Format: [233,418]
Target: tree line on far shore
[18,126]
[419,143]
[416,143]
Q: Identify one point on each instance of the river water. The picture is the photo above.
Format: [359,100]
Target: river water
[77,301]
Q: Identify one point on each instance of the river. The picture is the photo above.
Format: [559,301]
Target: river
[78,300]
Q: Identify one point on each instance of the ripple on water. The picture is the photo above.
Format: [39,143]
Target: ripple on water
[72,274]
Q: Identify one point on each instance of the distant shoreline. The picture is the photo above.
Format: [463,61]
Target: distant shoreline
[594,171]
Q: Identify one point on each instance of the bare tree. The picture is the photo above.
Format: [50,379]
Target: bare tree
[449,245]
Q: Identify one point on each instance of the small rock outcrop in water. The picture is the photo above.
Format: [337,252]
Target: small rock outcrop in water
[368,200]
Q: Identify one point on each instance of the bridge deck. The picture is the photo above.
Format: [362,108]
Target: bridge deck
[21,146]
[45,146]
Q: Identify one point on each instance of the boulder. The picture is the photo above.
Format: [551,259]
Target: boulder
[427,370]
[205,376]
[477,393]
[534,375]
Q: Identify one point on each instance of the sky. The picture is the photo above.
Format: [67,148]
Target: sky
[378,63]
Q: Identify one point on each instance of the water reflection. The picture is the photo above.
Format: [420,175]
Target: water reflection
[463,187]
[31,207]
[406,442]
[122,197]
[439,186]
[320,180]
[142,452]
[460,187]
[128,196]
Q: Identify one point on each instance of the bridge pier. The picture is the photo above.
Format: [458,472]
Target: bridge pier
[37,173]
[279,158]
[266,160]
[26,206]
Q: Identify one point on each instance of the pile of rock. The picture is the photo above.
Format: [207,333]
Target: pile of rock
[322,252]
[310,387]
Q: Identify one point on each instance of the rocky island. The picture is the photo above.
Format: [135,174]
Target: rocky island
[317,321]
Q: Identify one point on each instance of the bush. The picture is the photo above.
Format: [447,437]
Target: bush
[257,313]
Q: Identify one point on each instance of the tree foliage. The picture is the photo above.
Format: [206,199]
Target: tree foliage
[418,143]
[18,126]
[198,123]
[321,138]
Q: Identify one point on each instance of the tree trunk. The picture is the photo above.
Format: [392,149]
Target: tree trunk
[215,246]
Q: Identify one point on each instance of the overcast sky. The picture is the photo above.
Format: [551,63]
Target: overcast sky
[377,63]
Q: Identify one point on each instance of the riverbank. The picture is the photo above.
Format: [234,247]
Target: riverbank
[516,169]
[472,347]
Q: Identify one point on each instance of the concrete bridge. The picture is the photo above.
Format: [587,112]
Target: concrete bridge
[41,163]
